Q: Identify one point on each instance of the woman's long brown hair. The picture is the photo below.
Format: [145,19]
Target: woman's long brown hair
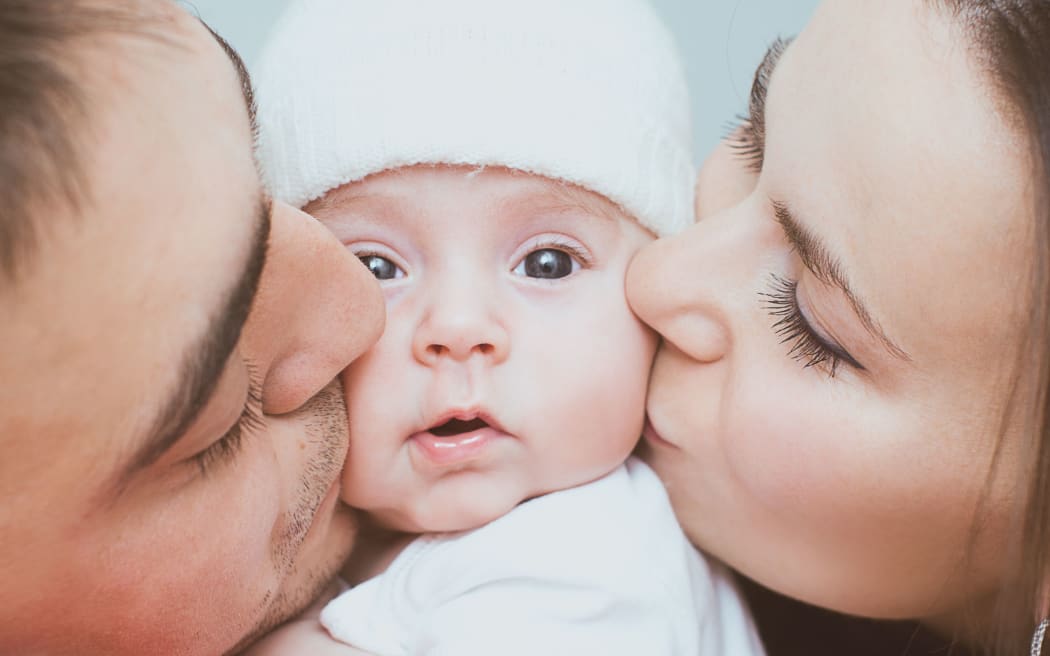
[1010,41]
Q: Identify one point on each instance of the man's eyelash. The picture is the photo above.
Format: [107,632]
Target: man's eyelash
[229,445]
[807,347]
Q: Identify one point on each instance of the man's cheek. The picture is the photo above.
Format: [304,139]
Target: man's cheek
[146,590]
[206,537]
[227,522]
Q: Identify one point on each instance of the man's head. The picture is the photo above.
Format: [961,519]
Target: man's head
[170,436]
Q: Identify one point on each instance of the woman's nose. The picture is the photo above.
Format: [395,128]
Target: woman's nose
[687,287]
[317,309]
[460,321]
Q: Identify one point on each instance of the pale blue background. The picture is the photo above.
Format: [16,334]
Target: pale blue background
[721,41]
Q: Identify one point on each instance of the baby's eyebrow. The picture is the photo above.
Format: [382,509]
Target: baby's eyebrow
[566,198]
[351,204]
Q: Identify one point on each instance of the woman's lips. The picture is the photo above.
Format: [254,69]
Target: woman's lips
[653,437]
[455,449]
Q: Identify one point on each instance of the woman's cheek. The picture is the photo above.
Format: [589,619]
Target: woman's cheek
[831,451]
[796,455]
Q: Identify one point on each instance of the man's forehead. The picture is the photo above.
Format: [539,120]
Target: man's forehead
[242,74]
[120,300]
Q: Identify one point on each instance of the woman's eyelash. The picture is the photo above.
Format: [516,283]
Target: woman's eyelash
[809,348]
[748,135]
[229,445]
[746,143]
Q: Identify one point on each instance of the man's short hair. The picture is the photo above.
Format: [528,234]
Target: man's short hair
[44,114]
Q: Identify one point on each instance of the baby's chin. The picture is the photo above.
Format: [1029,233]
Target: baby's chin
[445,516]
[452,520]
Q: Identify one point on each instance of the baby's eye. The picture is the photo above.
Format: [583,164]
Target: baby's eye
[381,267]
[549,263]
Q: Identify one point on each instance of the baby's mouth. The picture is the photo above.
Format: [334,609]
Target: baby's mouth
[457,440]
[458,426]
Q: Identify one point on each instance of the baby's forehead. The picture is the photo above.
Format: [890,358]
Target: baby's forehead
[515,190]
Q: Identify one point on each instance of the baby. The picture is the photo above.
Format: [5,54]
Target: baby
[496,165]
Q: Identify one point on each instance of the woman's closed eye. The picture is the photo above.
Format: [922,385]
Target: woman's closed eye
[806,344]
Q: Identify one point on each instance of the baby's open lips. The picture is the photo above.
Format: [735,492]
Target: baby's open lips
[456,439]
[458,426]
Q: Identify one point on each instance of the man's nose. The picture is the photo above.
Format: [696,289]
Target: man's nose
[460,321]
[318,308]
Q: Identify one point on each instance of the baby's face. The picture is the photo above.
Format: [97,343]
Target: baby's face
[511,365]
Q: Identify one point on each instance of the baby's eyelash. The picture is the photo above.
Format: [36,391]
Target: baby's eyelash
[563,245]
[807,347]
[229,445]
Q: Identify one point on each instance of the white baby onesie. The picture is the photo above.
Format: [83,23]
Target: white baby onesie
[598,569]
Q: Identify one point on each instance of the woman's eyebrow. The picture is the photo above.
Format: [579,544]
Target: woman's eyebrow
[827,268]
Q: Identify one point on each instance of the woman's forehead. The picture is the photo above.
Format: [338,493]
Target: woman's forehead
[885,139]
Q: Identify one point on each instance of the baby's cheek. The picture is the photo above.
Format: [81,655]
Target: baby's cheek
[355,491]
[346,481]
[355,487]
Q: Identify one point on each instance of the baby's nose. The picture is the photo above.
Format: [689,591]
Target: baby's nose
[459,329]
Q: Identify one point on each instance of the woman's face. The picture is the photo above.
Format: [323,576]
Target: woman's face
[839,329]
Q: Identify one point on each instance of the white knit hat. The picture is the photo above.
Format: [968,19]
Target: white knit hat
[591,92]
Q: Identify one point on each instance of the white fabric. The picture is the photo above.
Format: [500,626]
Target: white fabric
[587,91]
[599,569]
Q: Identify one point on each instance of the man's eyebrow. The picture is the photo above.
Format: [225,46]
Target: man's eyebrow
[827,268]
[206,358]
